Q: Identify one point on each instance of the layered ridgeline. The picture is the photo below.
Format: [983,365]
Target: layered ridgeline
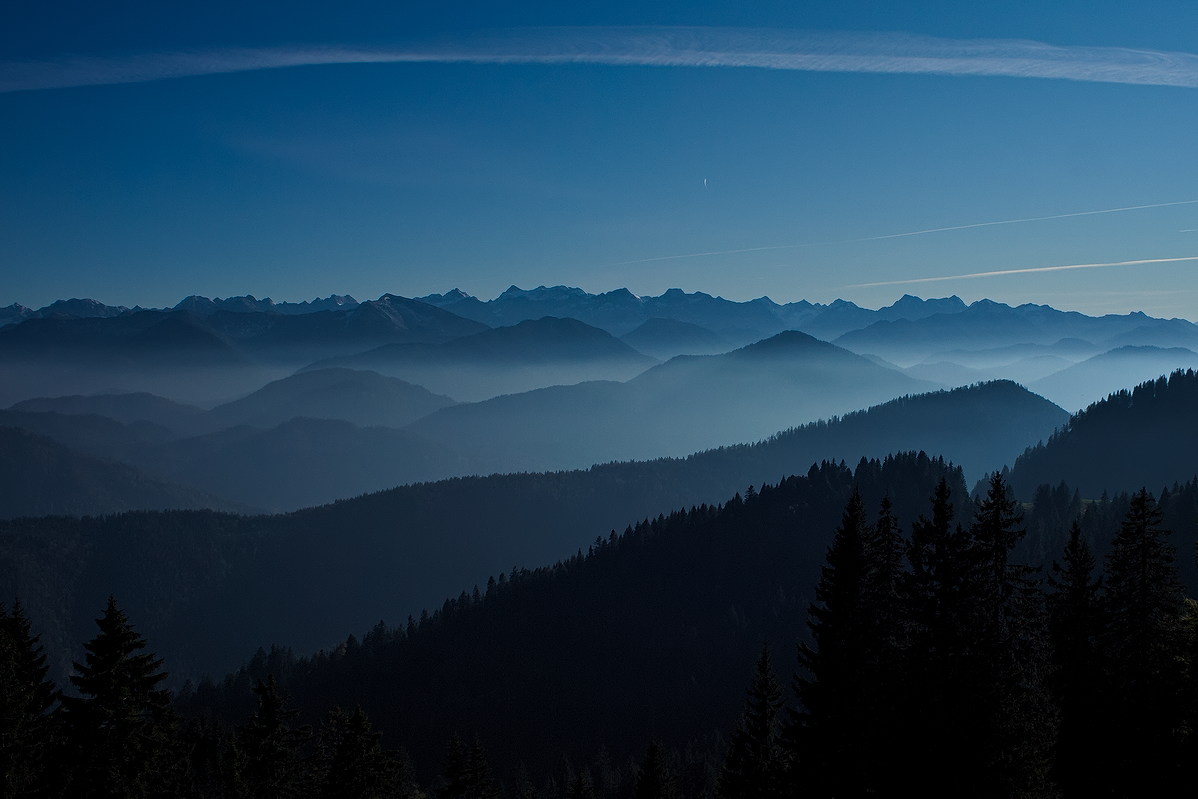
[201,358]
[302,579]
[269,450]
[203,347]
[506,360]
[308,439]
[1143,437]
[299,441]
[686,404]
[1080,384]
[621,312]
[40,477]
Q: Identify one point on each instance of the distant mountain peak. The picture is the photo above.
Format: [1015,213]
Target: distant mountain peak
[542,292]
[786,340]
[84,308]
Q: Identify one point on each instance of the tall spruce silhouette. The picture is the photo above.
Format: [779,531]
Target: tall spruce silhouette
[654,777]
[831,737]
[270,760]
[1008,704]
[754,765]
[467,774]
[27,728]
[351,760]
[1076,624]
[936,672]
[1145,649]
[121,730]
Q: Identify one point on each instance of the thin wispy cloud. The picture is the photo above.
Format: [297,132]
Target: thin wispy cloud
[924,232]
[649,46]
[1024,271]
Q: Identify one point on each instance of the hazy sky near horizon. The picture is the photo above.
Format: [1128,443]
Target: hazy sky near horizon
[1021,151]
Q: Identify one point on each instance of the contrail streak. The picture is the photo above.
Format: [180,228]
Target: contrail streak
[908,233]
[1027,219]
[651,46]
[1026,271]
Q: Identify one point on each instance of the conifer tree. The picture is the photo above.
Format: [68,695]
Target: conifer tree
[1144,649]
[270,757]
[1076,624]
[121,730]
[1007,652]
[582,786]
[654,778]
[754,765]
[27,728]
[467,774]
[827,738]
[938,608]
[352,762]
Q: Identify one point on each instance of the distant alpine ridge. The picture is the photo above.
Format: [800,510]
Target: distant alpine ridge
[912,321]
[207,351]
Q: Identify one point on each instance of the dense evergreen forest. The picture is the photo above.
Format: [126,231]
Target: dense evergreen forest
[622,672]
[1145,436]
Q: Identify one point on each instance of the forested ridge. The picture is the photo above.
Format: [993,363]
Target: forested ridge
[621,671]
[1145,436]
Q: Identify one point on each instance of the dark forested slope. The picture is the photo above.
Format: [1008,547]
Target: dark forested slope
[40,477]
[650,635]
[1144,437]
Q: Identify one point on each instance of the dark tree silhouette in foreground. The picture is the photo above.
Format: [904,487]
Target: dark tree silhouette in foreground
[1076,623]
[121,730]
[754,765]
[27,728]
[1144,648]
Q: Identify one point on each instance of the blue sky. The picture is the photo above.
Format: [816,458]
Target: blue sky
[639,145]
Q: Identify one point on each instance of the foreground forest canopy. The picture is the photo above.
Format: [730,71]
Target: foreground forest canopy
[924,636]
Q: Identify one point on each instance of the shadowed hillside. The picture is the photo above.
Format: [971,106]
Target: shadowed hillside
[1144,437]
[40,477]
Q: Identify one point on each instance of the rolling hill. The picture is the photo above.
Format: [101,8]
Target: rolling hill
[686,404]
[504,360]
[40,477]
[1145,437]
[366,399]
[1076,386]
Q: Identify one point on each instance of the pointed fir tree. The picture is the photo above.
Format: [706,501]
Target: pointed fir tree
[828,738]
[939,608]
[27,697]
[654,777]
[351,761]
[1076,624]
[467,774]
[121,730]
[754,766]
[582,786]
[1144,649]
[1009,708]
[270,757]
